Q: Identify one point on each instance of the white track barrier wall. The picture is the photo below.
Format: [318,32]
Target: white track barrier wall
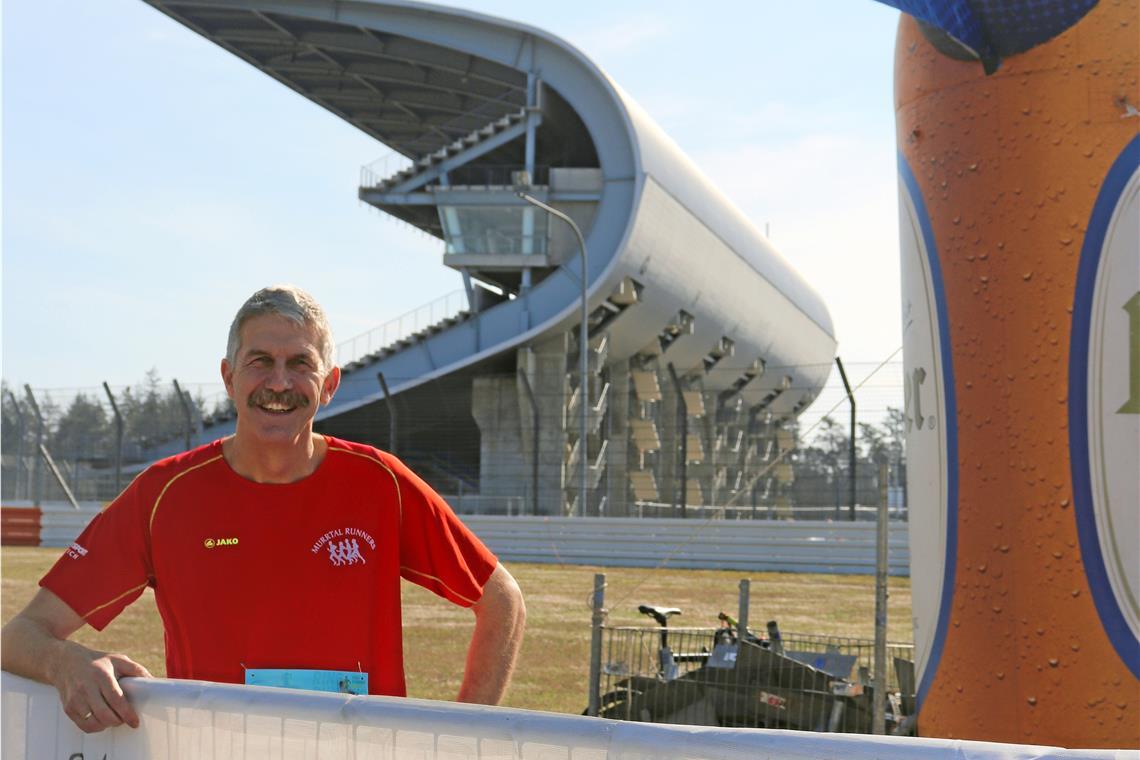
[784,546]
[788,546]
[183,720]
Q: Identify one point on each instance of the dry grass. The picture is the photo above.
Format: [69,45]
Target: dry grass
[552,670]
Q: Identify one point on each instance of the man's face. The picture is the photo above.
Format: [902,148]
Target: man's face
[278,380]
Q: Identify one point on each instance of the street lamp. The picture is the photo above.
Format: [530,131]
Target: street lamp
[583,338]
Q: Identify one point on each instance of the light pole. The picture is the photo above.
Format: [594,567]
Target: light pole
[583,341]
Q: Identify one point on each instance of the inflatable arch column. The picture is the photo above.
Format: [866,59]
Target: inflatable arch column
[1021,312]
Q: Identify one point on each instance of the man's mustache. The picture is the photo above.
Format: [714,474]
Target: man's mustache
[265,397]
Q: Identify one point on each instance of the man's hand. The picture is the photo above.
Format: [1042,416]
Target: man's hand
[500,617]
[89,690]
[35,645]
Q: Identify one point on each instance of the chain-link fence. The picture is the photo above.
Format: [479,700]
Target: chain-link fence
[88,443]
[708,676]
[494,442]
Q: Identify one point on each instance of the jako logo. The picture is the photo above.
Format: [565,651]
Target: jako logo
[212,542]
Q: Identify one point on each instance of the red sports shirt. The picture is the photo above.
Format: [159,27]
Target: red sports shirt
[254,575]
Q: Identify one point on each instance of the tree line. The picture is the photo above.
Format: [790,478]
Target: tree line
[821,469]
[85,429]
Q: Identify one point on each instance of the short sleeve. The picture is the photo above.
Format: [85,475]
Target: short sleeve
[108,566]
[437,551]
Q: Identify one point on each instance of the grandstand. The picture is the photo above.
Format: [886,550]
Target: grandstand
[703,339]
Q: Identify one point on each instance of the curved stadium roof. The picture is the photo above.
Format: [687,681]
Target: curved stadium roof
[424,79]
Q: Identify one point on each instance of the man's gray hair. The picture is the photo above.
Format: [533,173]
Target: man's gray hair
[292,303]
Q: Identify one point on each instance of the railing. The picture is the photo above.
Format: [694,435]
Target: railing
[598,466]
[382,168]
[481,175]
[594,415]
[770,512]
[183,719]
[489,110]
[572,459]
[495,175]
[478,504]
[401,327]
[594,469]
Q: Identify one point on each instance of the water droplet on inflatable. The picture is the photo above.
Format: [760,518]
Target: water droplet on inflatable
[1054,662]
[1032,701]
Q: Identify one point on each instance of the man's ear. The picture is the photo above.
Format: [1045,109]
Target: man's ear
[331,383]
[228,377]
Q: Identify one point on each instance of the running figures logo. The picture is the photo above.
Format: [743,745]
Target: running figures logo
[345,546]
[346,552]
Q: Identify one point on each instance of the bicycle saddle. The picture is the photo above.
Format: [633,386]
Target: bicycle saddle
[660,614]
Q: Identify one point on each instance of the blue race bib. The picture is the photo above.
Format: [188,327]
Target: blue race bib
[335,681]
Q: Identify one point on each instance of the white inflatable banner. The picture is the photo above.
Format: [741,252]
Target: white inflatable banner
[183,720]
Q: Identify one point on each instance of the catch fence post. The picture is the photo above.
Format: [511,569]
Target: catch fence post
[188,419]
[392,421]
[534,445]
[46,458]
[878,708]
[20,430]
[597,620]
[742,610]
[683,425]
[36,477]
[851,485]
[118,438]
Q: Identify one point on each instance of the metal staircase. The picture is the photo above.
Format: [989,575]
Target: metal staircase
[431,166]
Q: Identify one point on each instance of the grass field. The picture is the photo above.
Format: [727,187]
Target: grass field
[552,670]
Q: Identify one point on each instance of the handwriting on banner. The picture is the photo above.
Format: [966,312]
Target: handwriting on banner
[912,401]
[1132,308]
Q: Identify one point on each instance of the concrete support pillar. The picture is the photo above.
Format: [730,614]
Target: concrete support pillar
[502,466]
[668,473]
[545,367]
[617,452]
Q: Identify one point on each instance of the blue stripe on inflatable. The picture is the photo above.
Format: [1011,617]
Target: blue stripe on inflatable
[949,427]
[1107,607]
[956,18]
[996,29]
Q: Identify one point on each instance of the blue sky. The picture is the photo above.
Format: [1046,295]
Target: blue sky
[151,181]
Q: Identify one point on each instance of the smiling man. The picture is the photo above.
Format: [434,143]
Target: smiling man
[245,538]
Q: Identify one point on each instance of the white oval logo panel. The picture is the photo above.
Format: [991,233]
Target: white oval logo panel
[930,493]
[1106,359]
